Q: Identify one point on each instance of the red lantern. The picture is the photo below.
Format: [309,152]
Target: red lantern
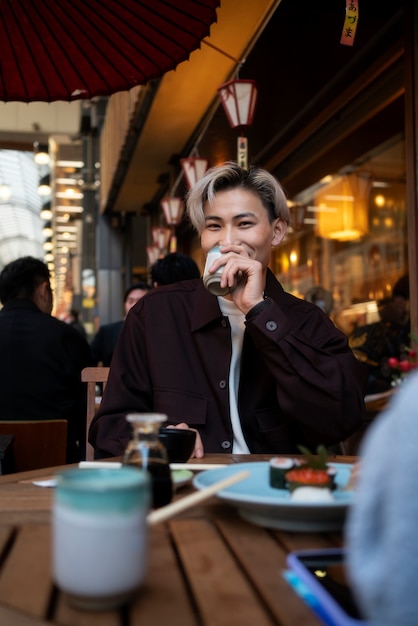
[193,169]
[238,99]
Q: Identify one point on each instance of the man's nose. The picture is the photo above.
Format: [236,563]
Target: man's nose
[228,237]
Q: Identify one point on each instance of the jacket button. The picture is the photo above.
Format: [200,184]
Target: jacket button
[226,445]
[223,323]
[271,325]
[222,384]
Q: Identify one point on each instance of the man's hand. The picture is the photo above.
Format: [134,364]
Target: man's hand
[248,274]
[198,451]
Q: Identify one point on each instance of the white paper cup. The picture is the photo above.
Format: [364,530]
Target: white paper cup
[100,535]
[212,282]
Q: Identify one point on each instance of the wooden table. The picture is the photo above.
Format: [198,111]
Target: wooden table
[207,566]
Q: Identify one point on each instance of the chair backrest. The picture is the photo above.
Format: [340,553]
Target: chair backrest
[92,376]
[36,444]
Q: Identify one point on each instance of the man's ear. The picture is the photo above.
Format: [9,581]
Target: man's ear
[42,297]
[279,231]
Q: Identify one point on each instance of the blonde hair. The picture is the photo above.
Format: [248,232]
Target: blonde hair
[230,176]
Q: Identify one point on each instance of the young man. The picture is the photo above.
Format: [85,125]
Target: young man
[256,371]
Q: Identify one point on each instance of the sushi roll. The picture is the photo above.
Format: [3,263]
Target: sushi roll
[279,466]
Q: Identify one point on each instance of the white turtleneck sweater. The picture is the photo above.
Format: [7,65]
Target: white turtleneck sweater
[236,320]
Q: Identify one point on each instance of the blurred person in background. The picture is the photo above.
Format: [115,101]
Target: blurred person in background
[73,318]
[172,268]
[374,344]
[381,527]
[42,357]
[321,297]
[104,341]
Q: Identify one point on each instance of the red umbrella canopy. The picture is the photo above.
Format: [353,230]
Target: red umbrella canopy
[71,49]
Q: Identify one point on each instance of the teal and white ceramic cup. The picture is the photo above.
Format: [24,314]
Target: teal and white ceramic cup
[100,534]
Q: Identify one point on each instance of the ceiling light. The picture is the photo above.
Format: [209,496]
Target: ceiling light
[47,230]
[44,188]
[46,213]
[69,207]
[70,194]
[63,163]
[41,156]
[5,192]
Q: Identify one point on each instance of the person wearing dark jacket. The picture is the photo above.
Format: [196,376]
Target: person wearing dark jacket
[255,371]
[173,267]
[42,357]
[105,339]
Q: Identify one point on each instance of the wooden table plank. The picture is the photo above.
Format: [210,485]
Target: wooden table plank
[264,560]
[165,598]
[66,615]
[25,503]
[11,617]
[304,541]
[25,581]
[223,595]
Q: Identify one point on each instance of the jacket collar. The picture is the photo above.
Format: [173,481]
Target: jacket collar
[21,303]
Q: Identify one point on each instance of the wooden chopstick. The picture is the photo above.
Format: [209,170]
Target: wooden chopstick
[160,515]
[195,467]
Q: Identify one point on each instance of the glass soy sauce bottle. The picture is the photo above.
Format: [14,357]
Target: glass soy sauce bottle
[145,451]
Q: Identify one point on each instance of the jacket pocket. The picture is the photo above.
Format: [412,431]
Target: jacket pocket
[269,420]
[181,406]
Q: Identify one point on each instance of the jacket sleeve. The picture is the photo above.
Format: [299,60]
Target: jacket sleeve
[128,390]
[319,383]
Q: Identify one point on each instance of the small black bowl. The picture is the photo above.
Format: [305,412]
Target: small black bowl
[179,443]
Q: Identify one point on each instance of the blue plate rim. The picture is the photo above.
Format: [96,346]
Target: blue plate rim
[344,499]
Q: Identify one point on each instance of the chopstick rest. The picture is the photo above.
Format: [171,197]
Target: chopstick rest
[160,515]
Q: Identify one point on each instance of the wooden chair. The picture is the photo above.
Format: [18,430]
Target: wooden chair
[36,444]
[92,376]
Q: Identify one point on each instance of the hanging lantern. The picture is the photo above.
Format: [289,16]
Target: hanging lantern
[342,208]
[153,254]
[238,99]
[193,169]
[173,209]
[160,237]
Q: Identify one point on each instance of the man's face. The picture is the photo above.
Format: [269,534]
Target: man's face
[238,217]
[133,297]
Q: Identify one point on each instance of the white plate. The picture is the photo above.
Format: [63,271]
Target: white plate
[181,477]
[263,505]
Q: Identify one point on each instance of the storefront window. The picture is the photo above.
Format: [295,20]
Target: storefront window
[349,236]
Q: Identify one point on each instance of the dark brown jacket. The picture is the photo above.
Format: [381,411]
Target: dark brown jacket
[299,384]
